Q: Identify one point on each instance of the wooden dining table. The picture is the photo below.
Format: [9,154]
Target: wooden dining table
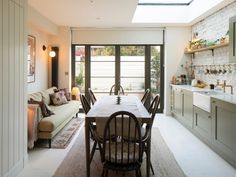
[107,105]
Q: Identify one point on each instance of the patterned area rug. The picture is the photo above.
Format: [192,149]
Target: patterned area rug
[63,138]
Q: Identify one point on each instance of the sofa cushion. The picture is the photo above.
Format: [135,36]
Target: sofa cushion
[35,96]
[58,98]
[62,112]
[46,93]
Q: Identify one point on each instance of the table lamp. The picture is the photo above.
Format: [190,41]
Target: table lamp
[75,92]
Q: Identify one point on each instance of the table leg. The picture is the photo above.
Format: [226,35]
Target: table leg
[148,158]
[87,147]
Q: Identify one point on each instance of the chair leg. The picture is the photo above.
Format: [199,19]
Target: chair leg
[102,172]
[49,143]
[106,172]
[140,174]
[93,150]
[152,168]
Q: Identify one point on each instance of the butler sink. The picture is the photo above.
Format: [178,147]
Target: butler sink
[202,99]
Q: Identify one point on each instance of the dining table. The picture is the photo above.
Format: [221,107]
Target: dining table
[104,107]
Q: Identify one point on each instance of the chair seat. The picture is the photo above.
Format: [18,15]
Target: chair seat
[125,152]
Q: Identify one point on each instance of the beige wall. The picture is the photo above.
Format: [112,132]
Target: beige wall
[41,69]
[63,41]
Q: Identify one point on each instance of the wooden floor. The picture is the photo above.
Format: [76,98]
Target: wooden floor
[163,161]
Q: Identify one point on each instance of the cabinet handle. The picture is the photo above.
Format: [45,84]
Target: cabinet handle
[209,117]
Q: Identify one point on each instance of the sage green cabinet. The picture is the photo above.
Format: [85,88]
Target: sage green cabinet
[202,124]
[177,101]
[187,108]
[232,39]
[182,106]
[224,129]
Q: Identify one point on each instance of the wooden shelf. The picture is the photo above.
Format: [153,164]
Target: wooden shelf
[206,48]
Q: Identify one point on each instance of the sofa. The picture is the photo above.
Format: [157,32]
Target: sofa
[48,127]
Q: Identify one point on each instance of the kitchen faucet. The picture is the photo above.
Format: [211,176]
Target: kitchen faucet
[224,86]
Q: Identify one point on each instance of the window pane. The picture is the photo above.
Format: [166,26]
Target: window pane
[99,67]
[102,68]
[132,84]
[102,84]
[80,67]
[155,69]
[132,68]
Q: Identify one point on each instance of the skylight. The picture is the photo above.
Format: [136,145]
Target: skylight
[165,2]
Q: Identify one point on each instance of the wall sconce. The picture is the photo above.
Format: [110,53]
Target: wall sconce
[75,92]
[52,53]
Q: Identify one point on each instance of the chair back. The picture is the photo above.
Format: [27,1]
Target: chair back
[120,88]
[85,103]
[145,96]
[154,106]
[122,150]
[92,96]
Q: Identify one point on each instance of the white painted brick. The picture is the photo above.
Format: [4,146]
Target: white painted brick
[212,28]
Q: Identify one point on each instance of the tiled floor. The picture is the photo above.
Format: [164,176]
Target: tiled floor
[194,157]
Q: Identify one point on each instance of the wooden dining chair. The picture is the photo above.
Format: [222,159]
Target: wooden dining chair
[85,103]
[92,127]
[152,110]
[119,154]
[92,96]
[120,88]
[145,96]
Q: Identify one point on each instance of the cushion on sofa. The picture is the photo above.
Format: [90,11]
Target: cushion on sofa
[62,112]
[46,93]
[35,96]
[58,98]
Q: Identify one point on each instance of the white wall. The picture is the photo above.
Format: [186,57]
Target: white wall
[176,39]
[41,69]
[13,118]
[212,28]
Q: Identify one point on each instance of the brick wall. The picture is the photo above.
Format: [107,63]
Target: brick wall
[212,28]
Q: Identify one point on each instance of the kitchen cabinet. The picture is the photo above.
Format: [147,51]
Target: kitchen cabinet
[182,106]
[176,101]
[232,39]
[224,129]
[202,124]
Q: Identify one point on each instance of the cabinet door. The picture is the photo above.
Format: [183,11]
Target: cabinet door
[224,128]
[202,124]
[177,101]
[232,39]
[188,108]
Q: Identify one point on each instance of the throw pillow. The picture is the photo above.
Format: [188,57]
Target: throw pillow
[46,110]
[58,98]
[66,93]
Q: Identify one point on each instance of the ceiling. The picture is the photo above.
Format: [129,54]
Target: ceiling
[121,13]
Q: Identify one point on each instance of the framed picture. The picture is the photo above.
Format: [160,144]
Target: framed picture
[31,59]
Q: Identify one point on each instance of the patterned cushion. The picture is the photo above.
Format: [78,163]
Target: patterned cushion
[66,93]
[58,98]
[46,93]
[46,110]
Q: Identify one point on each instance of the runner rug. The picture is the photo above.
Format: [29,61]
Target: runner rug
[63,138]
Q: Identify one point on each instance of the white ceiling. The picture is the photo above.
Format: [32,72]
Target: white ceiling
[120,13]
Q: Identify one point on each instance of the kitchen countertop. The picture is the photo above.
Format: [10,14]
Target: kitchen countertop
[220,95]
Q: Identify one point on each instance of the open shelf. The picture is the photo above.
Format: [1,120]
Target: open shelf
[206,48]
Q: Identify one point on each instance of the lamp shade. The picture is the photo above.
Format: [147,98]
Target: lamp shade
[75,92]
